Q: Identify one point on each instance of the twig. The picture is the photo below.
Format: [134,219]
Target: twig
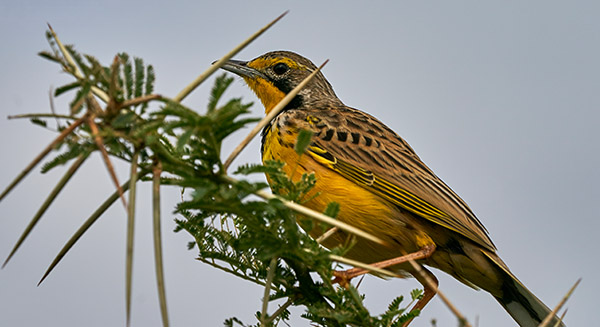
[279,311]
[130,234]
[431,284]
[188,89]
[140,100]
[327,234]
[562,317]
[263,122]
[360,281]
[562,302]
[268,281]
[43,154]
[41,116]
[51,197]
[86,225]
[105,157]
[158,258]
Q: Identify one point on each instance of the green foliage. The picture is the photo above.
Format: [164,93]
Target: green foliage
[67,87]
[232,230]
[304,139]
[74,150]
[241,236]
[38,121]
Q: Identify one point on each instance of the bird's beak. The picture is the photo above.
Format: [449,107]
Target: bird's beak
[241,68]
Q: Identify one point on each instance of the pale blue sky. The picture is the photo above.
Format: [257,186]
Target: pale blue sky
[501,99]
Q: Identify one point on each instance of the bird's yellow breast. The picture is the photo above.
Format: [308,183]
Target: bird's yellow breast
[358,206]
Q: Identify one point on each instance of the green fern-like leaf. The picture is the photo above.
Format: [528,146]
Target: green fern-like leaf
[127,75]
[150,77]
[66,88]
[139,77]
[73,152]
[39,122]
[50,56]
[304,139]
[222,82]
[332,210]
[416,294]
[77,103]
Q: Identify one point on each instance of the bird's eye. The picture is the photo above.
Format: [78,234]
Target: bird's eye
[280,68]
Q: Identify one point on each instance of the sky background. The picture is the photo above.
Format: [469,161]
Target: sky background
[501,100]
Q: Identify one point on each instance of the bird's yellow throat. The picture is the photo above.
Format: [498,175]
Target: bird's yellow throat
[268,93]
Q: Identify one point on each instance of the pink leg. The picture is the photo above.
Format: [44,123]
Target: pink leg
[344,277]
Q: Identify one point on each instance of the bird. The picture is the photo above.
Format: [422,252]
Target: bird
[381,185]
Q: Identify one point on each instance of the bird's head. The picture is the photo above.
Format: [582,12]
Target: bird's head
[274,74]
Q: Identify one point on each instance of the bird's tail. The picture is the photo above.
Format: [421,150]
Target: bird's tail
[525,308]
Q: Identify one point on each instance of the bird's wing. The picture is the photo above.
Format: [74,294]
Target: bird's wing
[364,150]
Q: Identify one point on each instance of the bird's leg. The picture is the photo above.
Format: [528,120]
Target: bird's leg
[344,277]
[430,286]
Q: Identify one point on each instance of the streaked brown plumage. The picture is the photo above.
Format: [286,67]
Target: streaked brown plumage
[380,183]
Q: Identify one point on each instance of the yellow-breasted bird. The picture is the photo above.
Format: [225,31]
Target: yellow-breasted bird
[381,184]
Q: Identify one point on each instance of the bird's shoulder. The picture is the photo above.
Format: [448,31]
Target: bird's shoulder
[346,130]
